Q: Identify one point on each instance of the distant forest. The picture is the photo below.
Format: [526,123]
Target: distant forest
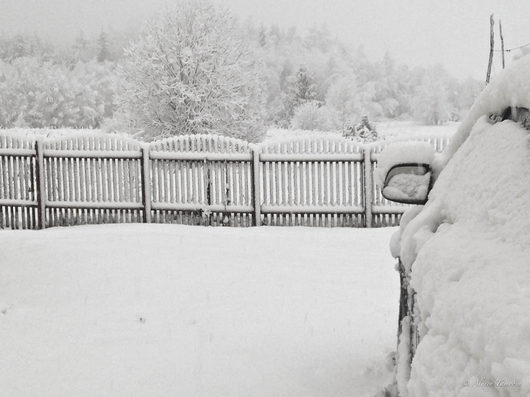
[310,81]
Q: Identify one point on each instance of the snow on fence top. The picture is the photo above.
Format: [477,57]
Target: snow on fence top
[310,144]
[10,140]
[92,141]
[63,139]
[331,148]
[202,143]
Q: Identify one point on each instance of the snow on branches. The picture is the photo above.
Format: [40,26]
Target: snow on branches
[191,71]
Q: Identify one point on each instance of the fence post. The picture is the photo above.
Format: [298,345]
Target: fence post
[368,187]
[207,216]
[146,183]
[256,197]
[41,194]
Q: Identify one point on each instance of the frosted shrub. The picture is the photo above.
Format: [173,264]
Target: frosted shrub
[312,116]
[364,131]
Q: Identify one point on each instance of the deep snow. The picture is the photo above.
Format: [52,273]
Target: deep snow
[164,310]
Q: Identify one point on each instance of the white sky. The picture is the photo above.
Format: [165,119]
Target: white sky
[454,33]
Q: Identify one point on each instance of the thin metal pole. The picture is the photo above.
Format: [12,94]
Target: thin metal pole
[492,42]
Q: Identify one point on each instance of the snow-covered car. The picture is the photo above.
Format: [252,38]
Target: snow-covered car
[464,252]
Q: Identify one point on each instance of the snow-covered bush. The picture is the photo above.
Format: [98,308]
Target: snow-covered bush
[191,72]
[363,131]
[312,116]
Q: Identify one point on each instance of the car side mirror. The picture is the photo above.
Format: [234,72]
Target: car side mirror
[408,183]
[404,171]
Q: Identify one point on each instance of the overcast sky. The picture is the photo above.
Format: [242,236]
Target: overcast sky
[454,33]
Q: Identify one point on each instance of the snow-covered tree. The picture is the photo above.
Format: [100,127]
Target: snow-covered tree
[20,46]
[466,94]
[262,36]
[190,68]
[43,94]
[302,88]
[431,100]
[103,48]
[191,72]
[299,89]
[343,99]
[84,49]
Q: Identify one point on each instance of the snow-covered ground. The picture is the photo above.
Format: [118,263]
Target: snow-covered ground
[165,310]
[385,129]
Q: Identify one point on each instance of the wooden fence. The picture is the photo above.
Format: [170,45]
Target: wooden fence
[202,180]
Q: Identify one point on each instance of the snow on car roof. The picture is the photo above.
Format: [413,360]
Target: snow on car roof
[511,87]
